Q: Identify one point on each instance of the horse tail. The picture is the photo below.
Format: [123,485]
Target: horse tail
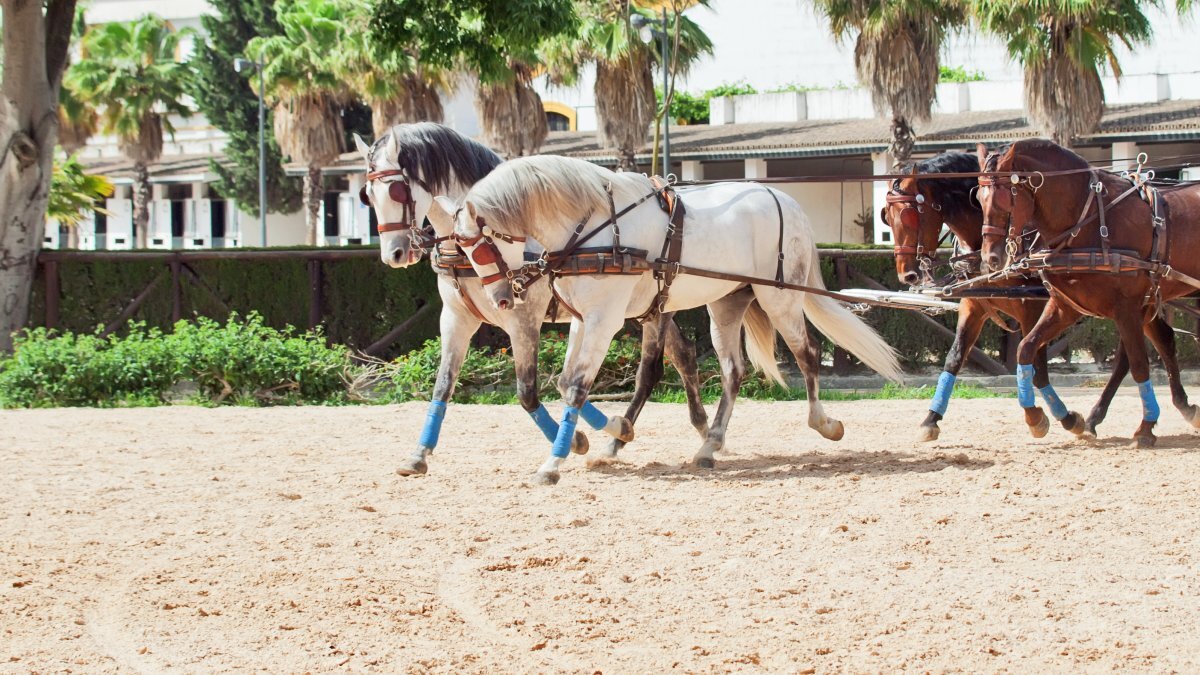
[848,331]
[760,342]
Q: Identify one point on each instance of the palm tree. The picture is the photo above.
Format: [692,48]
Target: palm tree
[625,100]
[1063,44]
[74,193]
[129,72]
[896,53]
[511,113]
[307,89]
[77,121]
[391,81]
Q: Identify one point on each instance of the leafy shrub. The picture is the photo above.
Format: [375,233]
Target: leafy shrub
[959,74]
[242,360]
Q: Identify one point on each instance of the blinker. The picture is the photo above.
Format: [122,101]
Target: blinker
[910,218]
[484,254]
[363,196]
[398,191]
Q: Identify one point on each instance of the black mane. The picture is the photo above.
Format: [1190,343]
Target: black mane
[955,195]
[439,155]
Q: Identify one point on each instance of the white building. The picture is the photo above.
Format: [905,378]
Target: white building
[769,44]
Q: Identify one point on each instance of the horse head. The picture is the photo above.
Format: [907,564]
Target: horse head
[493,256]
[916,221]
[400,201]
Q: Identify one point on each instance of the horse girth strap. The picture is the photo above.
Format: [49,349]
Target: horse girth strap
[672,250]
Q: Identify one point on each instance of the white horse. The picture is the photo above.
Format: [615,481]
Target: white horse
[404,166]
[737,228]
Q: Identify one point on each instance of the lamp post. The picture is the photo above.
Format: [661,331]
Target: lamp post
[239,65]
[647,31]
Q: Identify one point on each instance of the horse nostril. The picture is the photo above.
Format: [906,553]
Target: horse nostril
[503,304]
[397,255]
[911,278]
[993,261]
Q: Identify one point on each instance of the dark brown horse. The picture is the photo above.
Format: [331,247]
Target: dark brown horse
[915,211]
[1090,219]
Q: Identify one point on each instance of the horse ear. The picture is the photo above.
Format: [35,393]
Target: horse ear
[470,211]
[363,148]
[981,150]
[441,213]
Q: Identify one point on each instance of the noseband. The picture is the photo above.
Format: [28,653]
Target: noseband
[400,192]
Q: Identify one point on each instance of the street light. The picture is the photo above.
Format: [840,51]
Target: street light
[239,65]
[648,29]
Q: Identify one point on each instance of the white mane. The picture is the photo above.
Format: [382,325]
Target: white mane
[521,193]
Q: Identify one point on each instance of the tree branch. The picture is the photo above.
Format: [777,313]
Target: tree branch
[60,18]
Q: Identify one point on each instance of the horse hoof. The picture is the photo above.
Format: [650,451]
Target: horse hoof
[620,429]
[833,430]
[1192,417]
[1089,432]
[579,444]
[412,467]
[600,460]
[1074,423]
[1144,442]
[928,433]
[545,478]
[1041,427]
[704,462]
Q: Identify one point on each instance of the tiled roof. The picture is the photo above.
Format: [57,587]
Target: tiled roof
[1146,122]
[167,169]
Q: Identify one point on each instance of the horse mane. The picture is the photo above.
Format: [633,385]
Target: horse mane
[955,195]
[525,191]
[438,154]
[1028,146]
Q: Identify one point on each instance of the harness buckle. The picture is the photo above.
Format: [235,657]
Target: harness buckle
[1104,231]
[1097,187]
[1159,222]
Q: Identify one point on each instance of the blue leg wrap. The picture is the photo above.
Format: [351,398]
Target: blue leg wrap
[541,417]
[1057,408]
[941,397]
[433,424]
[1025,385]
[592,415]
[1149,403]
[566,433]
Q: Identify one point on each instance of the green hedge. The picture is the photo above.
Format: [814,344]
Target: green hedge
[364,299]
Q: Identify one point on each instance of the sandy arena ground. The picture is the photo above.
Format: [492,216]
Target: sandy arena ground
[195,540]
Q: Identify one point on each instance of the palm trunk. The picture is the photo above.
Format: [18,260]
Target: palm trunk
[313,194]
[33,62]
[141,204]
[903,140]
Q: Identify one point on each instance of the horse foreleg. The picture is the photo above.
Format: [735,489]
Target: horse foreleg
[649,374]
[972,315]
[1129,325]
[457,329]
[524,337]
[1163,337]
[1070,420]
[1100,410]
[726,329]
[1054,320]
[585,354]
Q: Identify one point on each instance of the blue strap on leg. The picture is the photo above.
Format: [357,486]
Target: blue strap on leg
[1025,385]
[543,420]
[433,424]
[1057,408]
[566,433]
[1149,403]
[592,415]
[941,396]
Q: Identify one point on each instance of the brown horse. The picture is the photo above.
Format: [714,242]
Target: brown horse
[1088,217]
[915,211]
[925,205]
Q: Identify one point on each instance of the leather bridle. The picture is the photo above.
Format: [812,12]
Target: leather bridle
[483,249]
[1013,243]
[910,218]
[399,191]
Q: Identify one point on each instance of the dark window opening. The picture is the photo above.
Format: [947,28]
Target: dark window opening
[331,214]
[557,122]
[217,209]
[177,216]
[101,218]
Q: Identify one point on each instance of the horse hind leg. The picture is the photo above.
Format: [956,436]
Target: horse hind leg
[682,353]
[808,356]
[725,328]
[1100,410]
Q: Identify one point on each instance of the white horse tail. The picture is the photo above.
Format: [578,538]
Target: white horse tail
[760,342]
[848,331]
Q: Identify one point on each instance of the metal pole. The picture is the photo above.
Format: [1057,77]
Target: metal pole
[262,156]
[666,120]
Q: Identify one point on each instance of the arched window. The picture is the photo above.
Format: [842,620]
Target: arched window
[559,117]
